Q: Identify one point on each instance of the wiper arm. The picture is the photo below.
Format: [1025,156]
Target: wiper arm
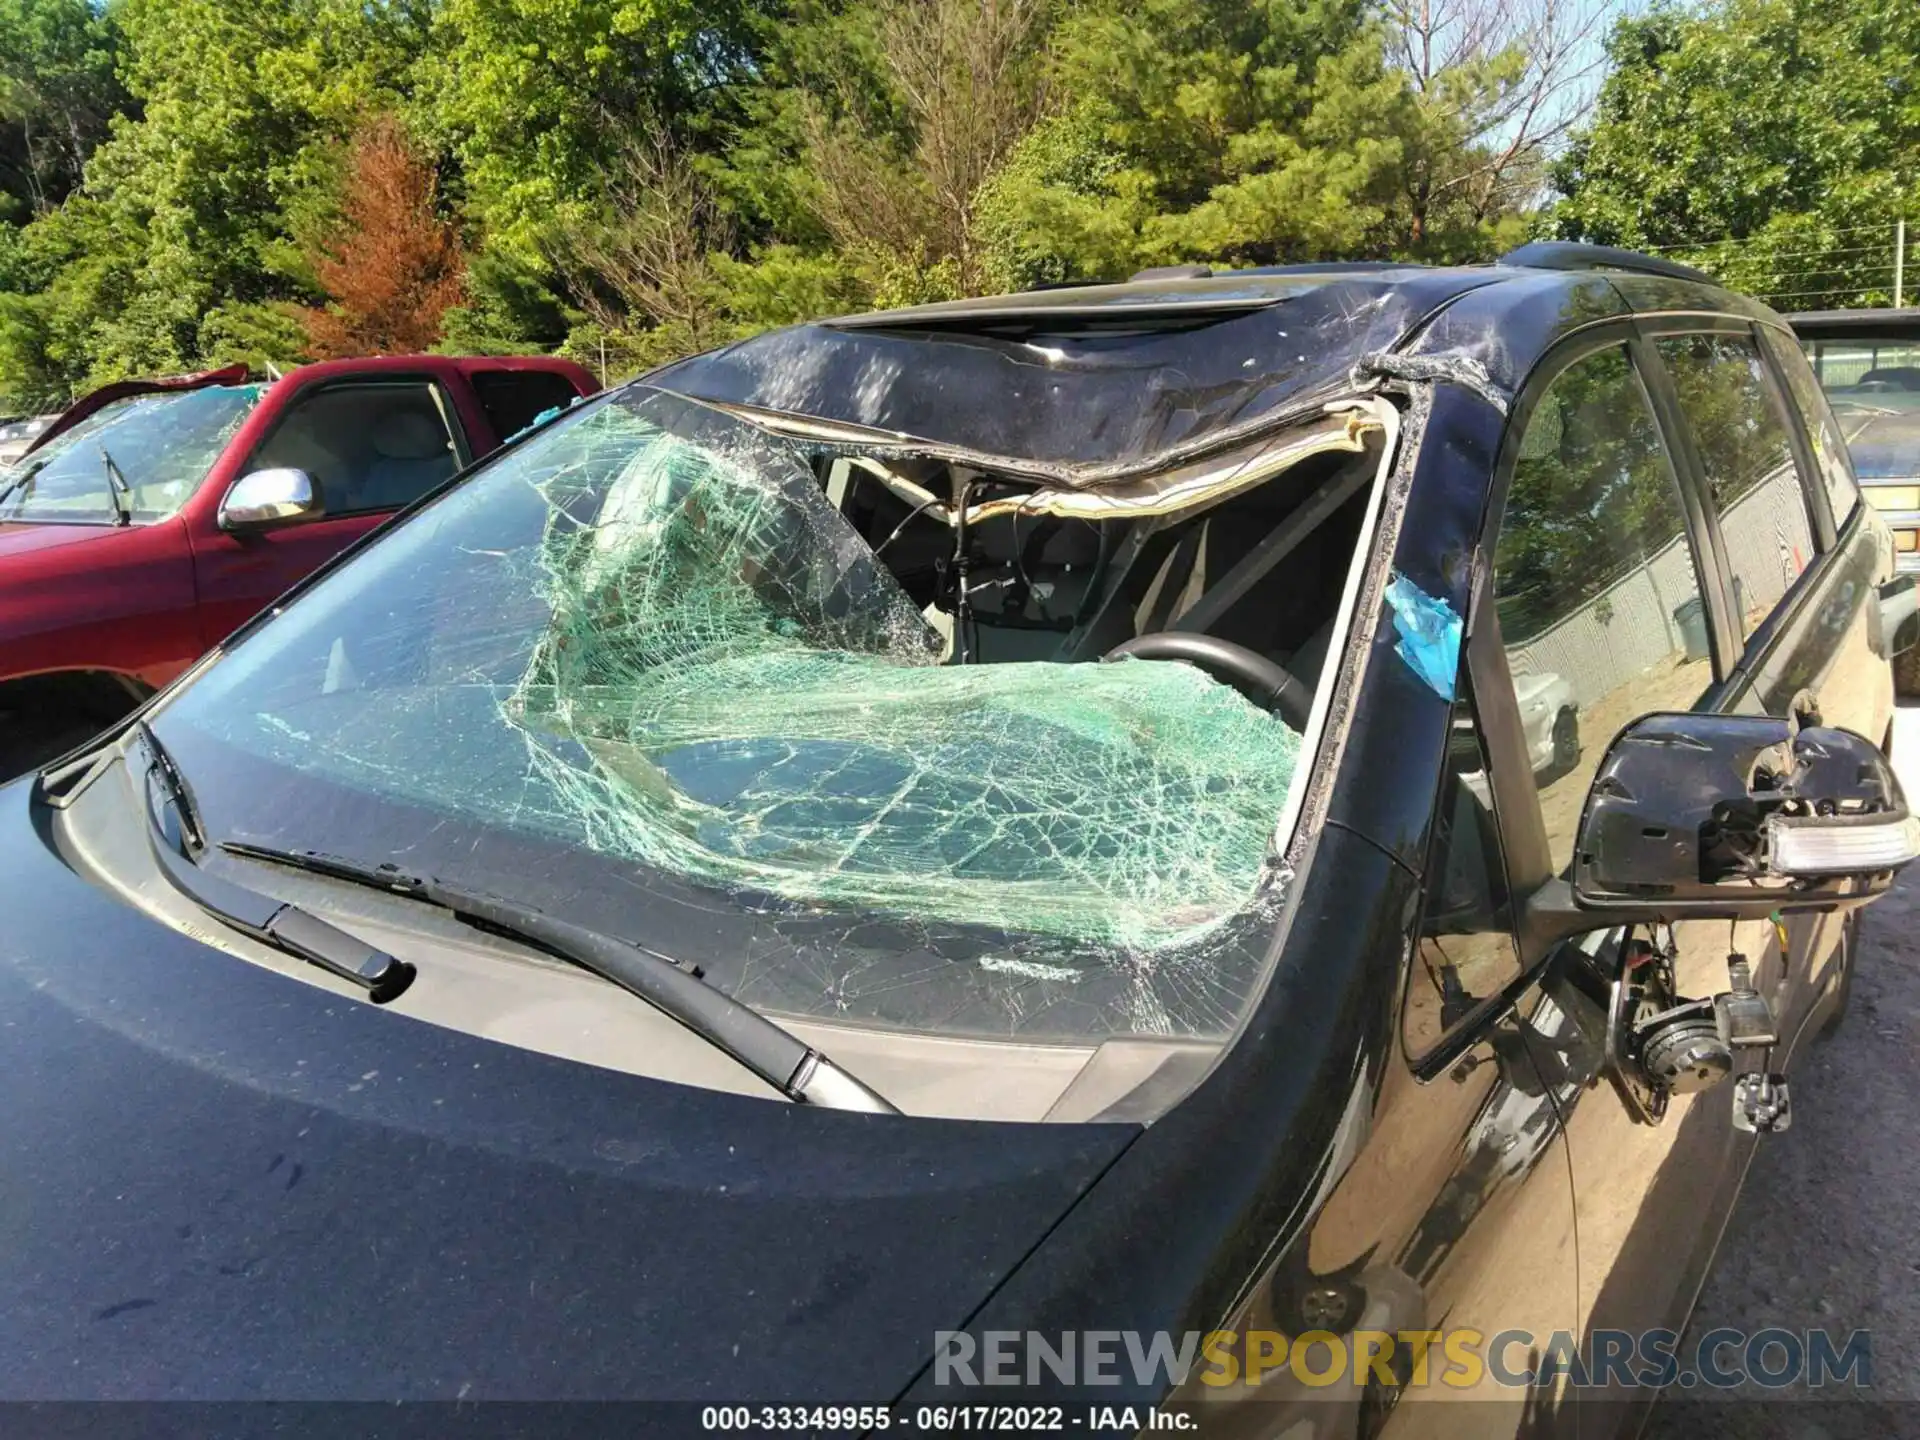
[782,1059]
[23,482]
[175,835]
[119,490]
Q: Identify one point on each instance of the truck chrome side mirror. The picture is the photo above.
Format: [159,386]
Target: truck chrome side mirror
[1731,817]
[280,496]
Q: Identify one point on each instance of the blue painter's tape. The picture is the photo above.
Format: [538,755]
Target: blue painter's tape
[551,412]
[1429,634]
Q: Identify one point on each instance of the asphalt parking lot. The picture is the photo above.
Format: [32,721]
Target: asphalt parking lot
[1826,1234]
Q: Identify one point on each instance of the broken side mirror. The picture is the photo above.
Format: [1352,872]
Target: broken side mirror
[1734,817]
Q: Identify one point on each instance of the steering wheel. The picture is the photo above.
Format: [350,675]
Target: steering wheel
[1269,685]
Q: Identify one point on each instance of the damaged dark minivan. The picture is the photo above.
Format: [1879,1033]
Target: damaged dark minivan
[1250,803]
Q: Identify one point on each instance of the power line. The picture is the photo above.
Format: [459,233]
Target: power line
[1772,295]
[1884,226]
[1883,250]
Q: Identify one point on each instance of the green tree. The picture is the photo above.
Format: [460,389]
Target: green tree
[57,93]
[1213,130]
[1771,141]
[196,203]
[538,98]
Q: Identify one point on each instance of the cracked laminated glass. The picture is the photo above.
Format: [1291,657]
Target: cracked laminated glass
[646,670]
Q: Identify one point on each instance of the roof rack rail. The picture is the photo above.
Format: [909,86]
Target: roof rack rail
[1332,267]
[1571,255]
[1172,272]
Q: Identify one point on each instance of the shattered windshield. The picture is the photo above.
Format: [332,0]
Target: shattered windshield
[161,445]
[644,669]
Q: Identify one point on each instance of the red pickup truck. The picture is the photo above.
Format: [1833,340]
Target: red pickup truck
[154,517]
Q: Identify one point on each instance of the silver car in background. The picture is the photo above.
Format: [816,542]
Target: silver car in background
[17,436]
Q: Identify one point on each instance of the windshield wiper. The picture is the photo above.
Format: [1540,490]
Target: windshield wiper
[118,488]
[23,482]
[175,835]
[782,1059]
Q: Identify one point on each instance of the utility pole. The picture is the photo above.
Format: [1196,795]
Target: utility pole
[1900,262]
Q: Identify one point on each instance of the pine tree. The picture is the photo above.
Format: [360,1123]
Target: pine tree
[393,267]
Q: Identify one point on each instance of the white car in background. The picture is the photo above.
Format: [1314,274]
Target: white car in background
[17,435]
[1550,718]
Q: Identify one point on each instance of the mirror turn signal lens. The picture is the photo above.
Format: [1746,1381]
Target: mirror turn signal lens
[1841,844]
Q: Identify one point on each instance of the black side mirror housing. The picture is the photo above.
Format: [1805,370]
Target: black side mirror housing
[1695,816]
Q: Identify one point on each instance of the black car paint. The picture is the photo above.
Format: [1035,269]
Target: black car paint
[1073,397]
[150,1068]
[1263,1237]
[220,1184]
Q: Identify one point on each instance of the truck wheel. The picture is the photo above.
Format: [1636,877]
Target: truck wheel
[1906,672]
[1566,741]
[1849,962]
[20,753]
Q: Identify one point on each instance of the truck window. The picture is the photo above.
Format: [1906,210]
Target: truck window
[369,446]
[1823,432]
[1741,433]
[512,398]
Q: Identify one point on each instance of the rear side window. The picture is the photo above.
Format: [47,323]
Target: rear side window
[513,398]
[1752,479]
[1823,433]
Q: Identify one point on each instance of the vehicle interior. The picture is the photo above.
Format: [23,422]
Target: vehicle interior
[368,445]
[1246,588]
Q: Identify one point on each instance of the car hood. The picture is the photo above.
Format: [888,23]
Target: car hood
[30,537]
[224,1183]
[1884,446]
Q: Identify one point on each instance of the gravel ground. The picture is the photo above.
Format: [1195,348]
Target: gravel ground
[1827,1232]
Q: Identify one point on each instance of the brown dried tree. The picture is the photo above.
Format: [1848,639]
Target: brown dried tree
[393,266]
[1499,83]
[968,75]
[643,258]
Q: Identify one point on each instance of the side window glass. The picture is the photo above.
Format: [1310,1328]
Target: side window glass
[1466,953]
[1751,477]
[1599,601]
[513,398]
[369,446]
[1823,428]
